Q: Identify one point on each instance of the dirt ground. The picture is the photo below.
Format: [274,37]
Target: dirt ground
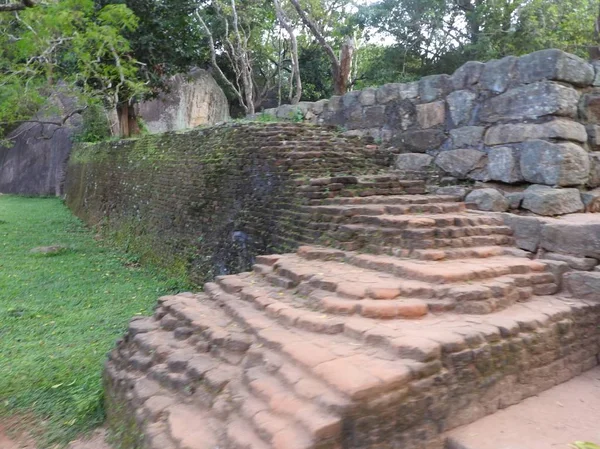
[12,437]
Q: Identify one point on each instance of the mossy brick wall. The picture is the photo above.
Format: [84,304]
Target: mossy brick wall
[205,202]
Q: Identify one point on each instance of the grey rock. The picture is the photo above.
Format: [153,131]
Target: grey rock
[530,102]
[388,92]
[591,200]
[368,97]
[400,114]
[594,178]
[497,74]
[409,91]
[467,75]
[514,199]
[487,200]
[373,116]
[552,64]
[415,162]
[547,201]
[318,106]
[596,65]
[583,285]
[557,128]
[351,99]
[576,263]
[420,141]
[460,105]
[459,162]
[353,113]
[431,114]
[593,132]
[527,231]
[286,111]
[467,136]
[579,236]
[503,165]
[458,191]
[590,107]
[564,164]
[51,250]
[434,87]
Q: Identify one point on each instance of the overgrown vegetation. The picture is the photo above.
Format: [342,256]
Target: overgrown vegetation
[61,313]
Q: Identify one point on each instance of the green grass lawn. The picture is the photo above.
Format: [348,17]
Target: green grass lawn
[61,314]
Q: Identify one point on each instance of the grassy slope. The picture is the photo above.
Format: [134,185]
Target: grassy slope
[60,315]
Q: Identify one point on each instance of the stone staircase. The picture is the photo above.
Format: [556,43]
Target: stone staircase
[416,317]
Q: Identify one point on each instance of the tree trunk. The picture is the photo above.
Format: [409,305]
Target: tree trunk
[341,71]
[123,114]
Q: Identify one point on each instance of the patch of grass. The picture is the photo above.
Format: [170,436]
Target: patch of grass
[60,315]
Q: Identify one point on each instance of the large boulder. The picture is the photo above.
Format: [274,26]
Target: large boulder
[191,100]
[503,165]
[498,74]
[557,128]
[431,114]
[487,200]
[434,87]
[467,136]
[461,162]
[531,101]
[575,234]
[564,164]
[552,64]
[583,285]
[467,75]
[420,140]
[545,200]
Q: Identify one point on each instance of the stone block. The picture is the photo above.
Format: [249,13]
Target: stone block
[593,132]
[579,236]
[460,162]
[594,178]
[409,91]
[591,200]
[545,200]
[467,75]
[526,230]
[388,92]
[318,106]
[460,105]
[596,65]
[514,199]
[553,64]
[487,200]
[564,164]
[400,114]
[368,97]
[497,74]
[590,108]
[583,285]
[467,136]
[420,141]
[434,87]
[556,128]
[373,116]
[431,114]
[503,165]
[576,263]
[531,101]
[413,162]
[458,191]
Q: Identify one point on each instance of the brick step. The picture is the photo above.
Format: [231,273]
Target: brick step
[427,221]
[440,272]
[448,232]
[335,286]
[457,253]
[351,210]
[353,370]
[392,199]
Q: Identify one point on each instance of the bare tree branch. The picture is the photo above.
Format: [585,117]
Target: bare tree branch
[294,99]
[19,6]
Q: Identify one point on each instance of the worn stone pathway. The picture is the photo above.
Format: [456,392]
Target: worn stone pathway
[416,318]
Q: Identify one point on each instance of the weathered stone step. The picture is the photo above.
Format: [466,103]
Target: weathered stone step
[428,221]
[392,199]
[350,210]
[402,247]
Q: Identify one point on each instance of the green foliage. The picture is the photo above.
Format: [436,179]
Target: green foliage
[60,316]
[95,127]
[584,445]
[65,43]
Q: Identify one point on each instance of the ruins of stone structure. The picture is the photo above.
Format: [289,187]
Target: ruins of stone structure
[395,307]
[531,120]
